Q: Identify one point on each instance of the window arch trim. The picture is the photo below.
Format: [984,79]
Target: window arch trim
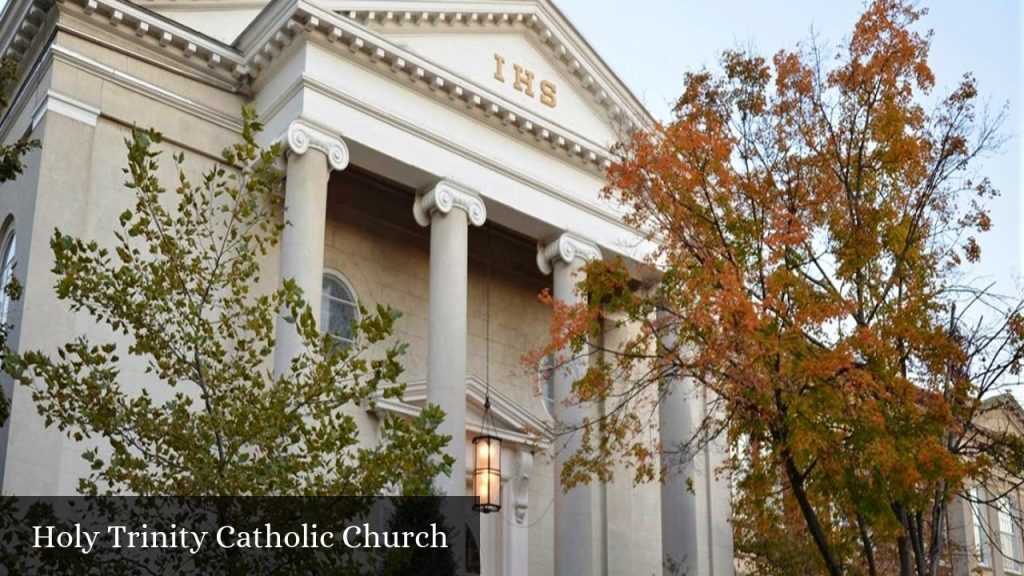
[347,286]
[8,264]
[546,384]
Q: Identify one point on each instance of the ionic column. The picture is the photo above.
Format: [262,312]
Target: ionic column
[719,479]
[696,525]
[311,156]
[683,536]
[448,208]
[564,258]
[618,494]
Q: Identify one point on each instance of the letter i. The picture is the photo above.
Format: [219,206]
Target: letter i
[499,67]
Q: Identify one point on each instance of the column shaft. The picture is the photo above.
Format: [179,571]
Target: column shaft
[449,208]
[576,535]
[720,543]
[696,527]
[302,242]
[618,518]
[574,538]
[681,529]
[312,155]
[446,344]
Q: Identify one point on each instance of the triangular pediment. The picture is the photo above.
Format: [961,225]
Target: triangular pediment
[573,105]
[511,65]
[1002,414]
[523,52]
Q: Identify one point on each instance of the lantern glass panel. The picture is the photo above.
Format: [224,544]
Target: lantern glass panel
[494,481]
[483,454]
[482,488]
[487,473]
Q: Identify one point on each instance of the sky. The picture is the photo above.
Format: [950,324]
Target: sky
[653,43]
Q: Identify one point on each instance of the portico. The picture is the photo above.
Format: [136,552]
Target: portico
[445,158]
[476,149]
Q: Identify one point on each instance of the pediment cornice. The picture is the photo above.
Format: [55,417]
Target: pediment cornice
[352,30]
[23,29]
[513,422]
[356,40]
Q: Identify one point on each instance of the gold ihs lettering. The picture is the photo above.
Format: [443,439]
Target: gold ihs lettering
[548,92]
[524,79]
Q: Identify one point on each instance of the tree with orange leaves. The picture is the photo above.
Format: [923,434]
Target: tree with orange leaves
[812,217]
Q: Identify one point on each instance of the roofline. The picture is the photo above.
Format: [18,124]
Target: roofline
[1004,399]
[351,36]
[597,57]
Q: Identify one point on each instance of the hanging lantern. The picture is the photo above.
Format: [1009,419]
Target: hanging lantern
[487,447]
[487,473]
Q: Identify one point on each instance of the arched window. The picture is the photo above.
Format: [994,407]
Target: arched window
[546,378]
[6,274]
[339,310]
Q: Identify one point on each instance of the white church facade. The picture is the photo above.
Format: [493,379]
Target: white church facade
[444,157]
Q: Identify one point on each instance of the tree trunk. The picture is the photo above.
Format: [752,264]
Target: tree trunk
[869,548]
[811,518]
[903,543]
[938,541]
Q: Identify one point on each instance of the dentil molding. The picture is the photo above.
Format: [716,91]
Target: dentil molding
[302,136]
[445,196]
[350,35]
[567,247]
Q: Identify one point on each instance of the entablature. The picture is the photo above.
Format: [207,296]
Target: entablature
[360,34]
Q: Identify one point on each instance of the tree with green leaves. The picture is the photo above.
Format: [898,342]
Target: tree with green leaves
[178,291]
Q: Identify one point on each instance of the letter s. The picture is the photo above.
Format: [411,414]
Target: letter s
[548,91]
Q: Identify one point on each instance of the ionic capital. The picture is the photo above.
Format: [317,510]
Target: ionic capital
[302,136]
[567,247]
[445,196]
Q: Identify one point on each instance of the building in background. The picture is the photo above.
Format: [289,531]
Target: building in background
[985,526]
[445,157]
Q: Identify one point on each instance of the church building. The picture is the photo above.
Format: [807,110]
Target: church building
[443,157]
